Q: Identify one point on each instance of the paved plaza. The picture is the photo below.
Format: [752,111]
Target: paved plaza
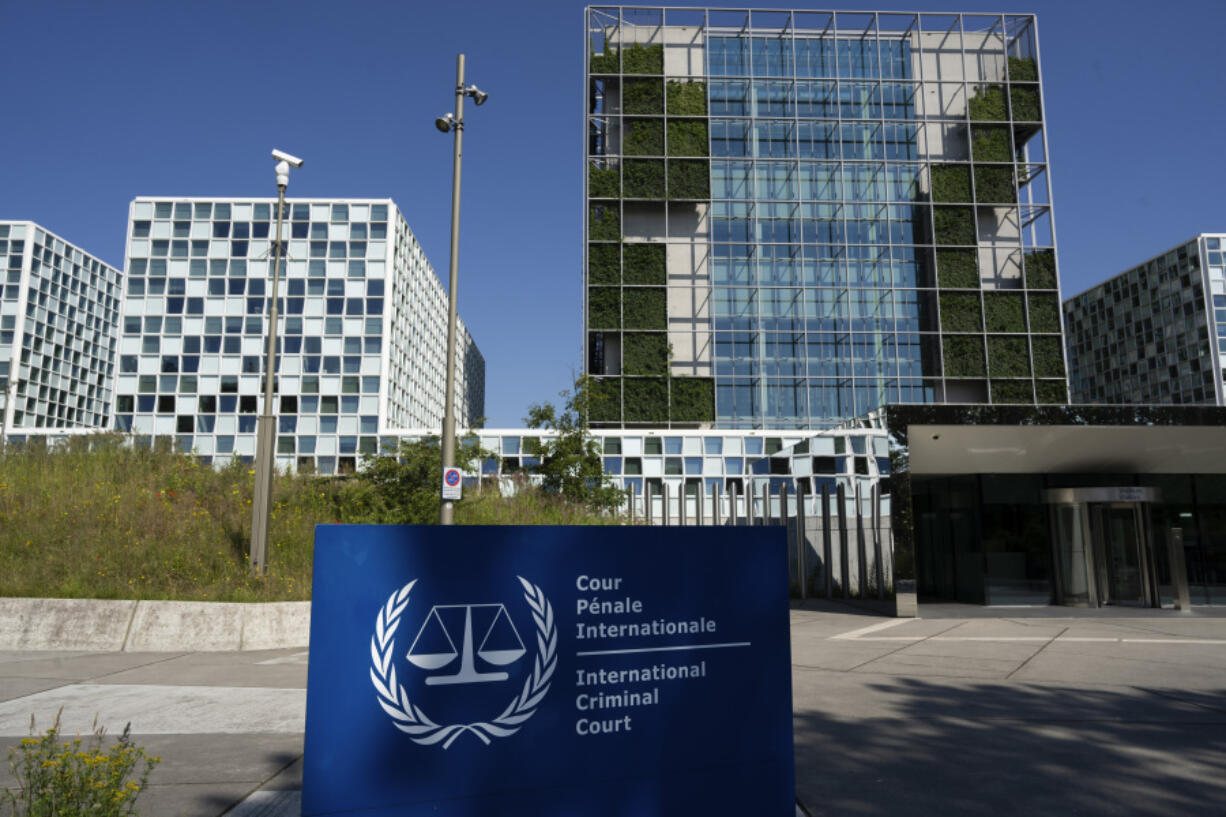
[962,711]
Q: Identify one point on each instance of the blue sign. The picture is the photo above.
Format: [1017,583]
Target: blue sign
[536,671]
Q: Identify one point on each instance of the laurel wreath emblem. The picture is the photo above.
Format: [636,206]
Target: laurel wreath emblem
[410,719]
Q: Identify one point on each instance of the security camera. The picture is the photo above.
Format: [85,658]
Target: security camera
[282,156]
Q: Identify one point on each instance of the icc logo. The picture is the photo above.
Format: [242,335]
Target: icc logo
[481,638]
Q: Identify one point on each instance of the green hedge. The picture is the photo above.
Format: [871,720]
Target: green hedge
[643,96]
[988,104]
[958,269]
[951,184]
[603,264]
[1012,391]
[1023,69]
[645,308]
[603,308]
[687,98]
[990,143]
[1044,312]
[1051,391]
[1025,103]
[689,179]
[645,264]
[1002,312]
[605,398]
[692,400]
[953,225]
[603,182]
[1007,356]
[1041,269]
[643,59]
[605,63]
[960,312]
[644,137]
[994,184]
[963,355]
[644,178]
[644,353]
[646,400]
[604,223]
[687,137]
[1048,356]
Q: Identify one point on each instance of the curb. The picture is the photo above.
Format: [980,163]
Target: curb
[152,626]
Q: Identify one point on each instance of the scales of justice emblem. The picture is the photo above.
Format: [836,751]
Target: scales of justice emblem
[488,636]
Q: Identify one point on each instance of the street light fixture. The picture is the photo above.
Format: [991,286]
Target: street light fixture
[446,123]
[266,431]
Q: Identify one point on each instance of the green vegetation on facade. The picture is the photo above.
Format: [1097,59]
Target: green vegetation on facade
[687,137]
[687,98]
[953,225]
[603,182]
[692,399]
[646,400]
[960,312]
[689,179]
[645,353]
[1040,266]
[1044,312]
[644,137]
[603,264]
[988,104]
[1008,356]
[645,264]
[603,308]
[1003,312]
[991,143]
[1012,391]
[957,269]
[1051,391]
[963,355]
[1024,100]
[644,178]
[645,307]
[604,223]
[1023,69]
[643,96]
[604,399]
[605,63]
[1048,355]
[951,183]
[643,59]
[995,184]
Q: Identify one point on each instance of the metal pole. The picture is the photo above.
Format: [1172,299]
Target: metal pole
[266,430]
[10,394]
[447,509]
[841,501]
[802,541]
[827,550]
[877,554]
[715,497]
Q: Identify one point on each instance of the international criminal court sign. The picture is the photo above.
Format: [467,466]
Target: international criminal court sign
[549,671]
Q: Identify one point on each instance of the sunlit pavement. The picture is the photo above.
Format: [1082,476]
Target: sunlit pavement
[952,713]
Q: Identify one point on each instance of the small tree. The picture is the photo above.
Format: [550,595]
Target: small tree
[570,461]
[406,486]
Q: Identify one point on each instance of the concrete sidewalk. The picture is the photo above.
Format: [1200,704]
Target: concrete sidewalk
[1080,715]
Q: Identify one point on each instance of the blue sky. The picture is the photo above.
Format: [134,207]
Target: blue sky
[103,102]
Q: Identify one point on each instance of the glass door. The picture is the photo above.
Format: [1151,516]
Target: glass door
[1120,554]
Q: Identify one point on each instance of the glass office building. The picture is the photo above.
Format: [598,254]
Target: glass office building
[1153,334]
[796,217]
[362,340]
[59,311]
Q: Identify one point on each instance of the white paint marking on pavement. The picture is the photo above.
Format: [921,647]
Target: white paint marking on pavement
[296,658]
[270,804]
[872,628]
[159,710]
[1173,640]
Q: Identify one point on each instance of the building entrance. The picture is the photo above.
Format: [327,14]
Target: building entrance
[1102,546]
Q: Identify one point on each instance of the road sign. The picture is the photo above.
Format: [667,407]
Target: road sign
[586,672]
[452,483]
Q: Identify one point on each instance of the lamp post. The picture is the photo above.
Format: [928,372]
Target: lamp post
[447,123]
[266,431]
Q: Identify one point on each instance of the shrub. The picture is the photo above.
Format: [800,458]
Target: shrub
[1002,312]
[645,264]
[644,178]
[988,104]
[1044,312]
[643,59]
[605,400]
[951,184]
[1024,102]
[605,63]
[77,778]
[960,312]
[990,143]
[603,308]
[570,459]
[687,137]
[603,264]
[963,355]
[1012,391]
[687,98]
[692,400]
[953,225]
[1048,356]
[958,269]
[643,96]
[646,400]
[1007,356]
[994,184]
[1051,391]
[603,182]
[644,137]
[689,179]
[645,308]
[1023,69]
[645,353]
[1041,269]
[604,223]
